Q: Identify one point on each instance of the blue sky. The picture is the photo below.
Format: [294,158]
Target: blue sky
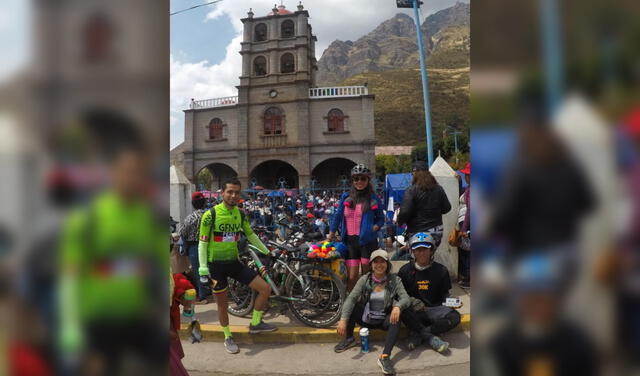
[205,62]
[194,38]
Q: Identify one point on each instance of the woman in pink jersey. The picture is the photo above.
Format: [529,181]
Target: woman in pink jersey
[359,216]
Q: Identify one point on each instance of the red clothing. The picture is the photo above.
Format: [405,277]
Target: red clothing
[25,361]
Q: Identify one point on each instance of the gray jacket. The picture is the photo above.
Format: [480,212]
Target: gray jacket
[395,294]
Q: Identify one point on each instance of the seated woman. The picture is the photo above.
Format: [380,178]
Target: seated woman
[377,302]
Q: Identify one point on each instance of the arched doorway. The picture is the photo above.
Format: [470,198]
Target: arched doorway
[331,172]
[274,174]
[213,175]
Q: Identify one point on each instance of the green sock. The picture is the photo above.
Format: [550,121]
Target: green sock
[257,317]
[226,331]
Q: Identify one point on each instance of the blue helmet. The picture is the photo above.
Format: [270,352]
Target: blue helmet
[422,239]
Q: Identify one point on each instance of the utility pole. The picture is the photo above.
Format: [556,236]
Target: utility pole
[415,4]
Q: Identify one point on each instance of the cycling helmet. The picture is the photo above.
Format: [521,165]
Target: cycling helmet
[422,239]
[282,219]
[360,169]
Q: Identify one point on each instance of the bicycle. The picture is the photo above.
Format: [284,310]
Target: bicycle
[311,291]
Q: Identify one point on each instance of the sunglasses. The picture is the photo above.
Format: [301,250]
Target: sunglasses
[359,178]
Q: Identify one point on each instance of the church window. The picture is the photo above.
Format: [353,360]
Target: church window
[335,121]
[273,121]
[98,38]
[216,129]
[287,29]
[260,32]
[287,64]
[260,66]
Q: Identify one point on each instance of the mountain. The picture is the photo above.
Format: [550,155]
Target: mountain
[399,112]
[392,45]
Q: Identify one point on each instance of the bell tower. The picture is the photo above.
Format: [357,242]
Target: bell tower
[278,56]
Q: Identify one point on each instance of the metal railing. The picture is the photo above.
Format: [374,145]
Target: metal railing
[214,102]
[338,91]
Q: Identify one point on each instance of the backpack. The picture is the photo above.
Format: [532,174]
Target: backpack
[212,210]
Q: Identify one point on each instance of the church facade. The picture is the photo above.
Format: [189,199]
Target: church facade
[281,130]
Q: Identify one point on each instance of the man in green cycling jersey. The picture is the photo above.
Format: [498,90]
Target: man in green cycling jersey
[218,248]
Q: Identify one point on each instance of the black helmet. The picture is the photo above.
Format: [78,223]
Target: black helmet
[360,169]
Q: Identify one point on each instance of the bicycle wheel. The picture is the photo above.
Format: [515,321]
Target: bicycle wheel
[319,296]
[241,297]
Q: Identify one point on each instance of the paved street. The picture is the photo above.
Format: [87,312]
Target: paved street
[210,358]
[266,359]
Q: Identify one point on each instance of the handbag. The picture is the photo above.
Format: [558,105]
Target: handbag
[372,317]
[455,237]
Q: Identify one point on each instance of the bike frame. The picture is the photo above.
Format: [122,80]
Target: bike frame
[263,272]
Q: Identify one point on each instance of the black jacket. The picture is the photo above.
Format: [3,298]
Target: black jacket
[422,210]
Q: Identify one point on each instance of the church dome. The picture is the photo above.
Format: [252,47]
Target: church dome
[281,10]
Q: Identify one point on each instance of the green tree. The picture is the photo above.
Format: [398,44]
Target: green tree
[204,180]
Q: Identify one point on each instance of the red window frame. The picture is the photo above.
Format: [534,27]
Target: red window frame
[273,121]
[335,121]
[216,129]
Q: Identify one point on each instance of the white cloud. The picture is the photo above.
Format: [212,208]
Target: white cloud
[330,19]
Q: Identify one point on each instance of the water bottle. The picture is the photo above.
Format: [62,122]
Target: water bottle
[364,339]
[190,296]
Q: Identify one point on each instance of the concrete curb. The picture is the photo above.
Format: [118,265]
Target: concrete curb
[291,334]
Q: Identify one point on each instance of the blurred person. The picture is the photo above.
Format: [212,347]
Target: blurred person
[423,205]
[464,224]
[112,258]
[220,228]
[22,339]
[359,216]
[41,258]
[428,283]
[181,292]
[537,339]
[189,232]
[378,301]
[621,268]
[545,195]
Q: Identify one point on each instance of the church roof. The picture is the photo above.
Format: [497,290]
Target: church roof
[281,10]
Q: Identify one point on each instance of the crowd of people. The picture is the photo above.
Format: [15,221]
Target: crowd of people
[377,297]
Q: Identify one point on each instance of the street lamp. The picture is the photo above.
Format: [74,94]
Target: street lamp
[415,4]
[455,133]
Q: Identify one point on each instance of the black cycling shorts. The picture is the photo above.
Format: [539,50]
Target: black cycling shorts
[357,251]
[220,270]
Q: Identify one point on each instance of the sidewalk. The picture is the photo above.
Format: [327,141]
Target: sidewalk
[290,330]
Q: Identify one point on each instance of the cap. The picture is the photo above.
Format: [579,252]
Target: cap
[196,196]
[379,253]
[421,239]
[467,169]
[420,166]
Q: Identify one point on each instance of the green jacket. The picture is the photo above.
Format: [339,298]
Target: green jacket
[395,294]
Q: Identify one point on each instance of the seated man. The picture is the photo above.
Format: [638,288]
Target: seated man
[428,284]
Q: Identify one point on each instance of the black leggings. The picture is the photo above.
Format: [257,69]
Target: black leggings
[392,329]
[437,320]
[407,316]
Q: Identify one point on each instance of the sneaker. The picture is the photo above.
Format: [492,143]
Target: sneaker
[386,365]
[345,344]
[262,328]
[231,346]
[438,344]
[414,340]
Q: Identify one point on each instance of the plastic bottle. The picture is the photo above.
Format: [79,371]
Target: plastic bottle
[364,339]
